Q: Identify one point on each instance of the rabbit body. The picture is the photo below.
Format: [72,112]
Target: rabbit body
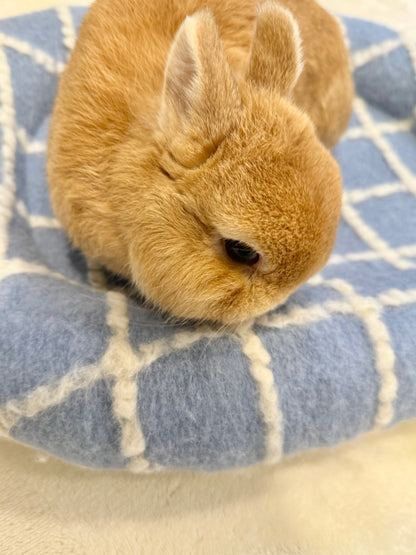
[172,135]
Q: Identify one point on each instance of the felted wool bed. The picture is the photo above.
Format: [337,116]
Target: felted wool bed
[93,377]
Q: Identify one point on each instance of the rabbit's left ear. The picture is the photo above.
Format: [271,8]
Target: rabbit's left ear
[276,52]
[200,100]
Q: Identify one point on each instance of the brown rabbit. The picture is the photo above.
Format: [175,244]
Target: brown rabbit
[189,154]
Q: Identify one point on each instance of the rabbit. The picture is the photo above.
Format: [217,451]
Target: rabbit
[189,149]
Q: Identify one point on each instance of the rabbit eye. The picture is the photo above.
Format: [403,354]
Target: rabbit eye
[240,252]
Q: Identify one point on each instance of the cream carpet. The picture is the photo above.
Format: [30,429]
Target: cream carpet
[359,498]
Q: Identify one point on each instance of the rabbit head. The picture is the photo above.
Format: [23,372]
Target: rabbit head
[243,201]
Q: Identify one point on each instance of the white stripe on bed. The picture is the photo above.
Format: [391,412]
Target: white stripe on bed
[260,359]
[68,29]
[369,310]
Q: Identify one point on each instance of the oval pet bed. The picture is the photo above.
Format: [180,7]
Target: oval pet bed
[93,377]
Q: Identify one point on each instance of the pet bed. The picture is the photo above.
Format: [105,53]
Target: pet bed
[93,377]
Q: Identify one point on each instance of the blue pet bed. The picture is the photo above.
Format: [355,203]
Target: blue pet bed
[93,377]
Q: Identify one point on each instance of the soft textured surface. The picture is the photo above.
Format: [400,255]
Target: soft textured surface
[356,499]
[94,378]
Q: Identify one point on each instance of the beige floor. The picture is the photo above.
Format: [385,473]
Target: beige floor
[357,499]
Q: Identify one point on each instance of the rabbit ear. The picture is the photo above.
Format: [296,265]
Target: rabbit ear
[276,53]
[200,98]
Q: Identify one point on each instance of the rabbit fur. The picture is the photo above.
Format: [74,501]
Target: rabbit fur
[180,124]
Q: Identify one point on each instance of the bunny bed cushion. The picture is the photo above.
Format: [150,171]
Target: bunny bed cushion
[91,375]
[188,149]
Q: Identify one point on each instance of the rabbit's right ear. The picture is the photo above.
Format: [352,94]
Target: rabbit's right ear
[200,99]
[276,52]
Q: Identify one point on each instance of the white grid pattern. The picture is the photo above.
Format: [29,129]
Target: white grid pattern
[367,309]
[41,58]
